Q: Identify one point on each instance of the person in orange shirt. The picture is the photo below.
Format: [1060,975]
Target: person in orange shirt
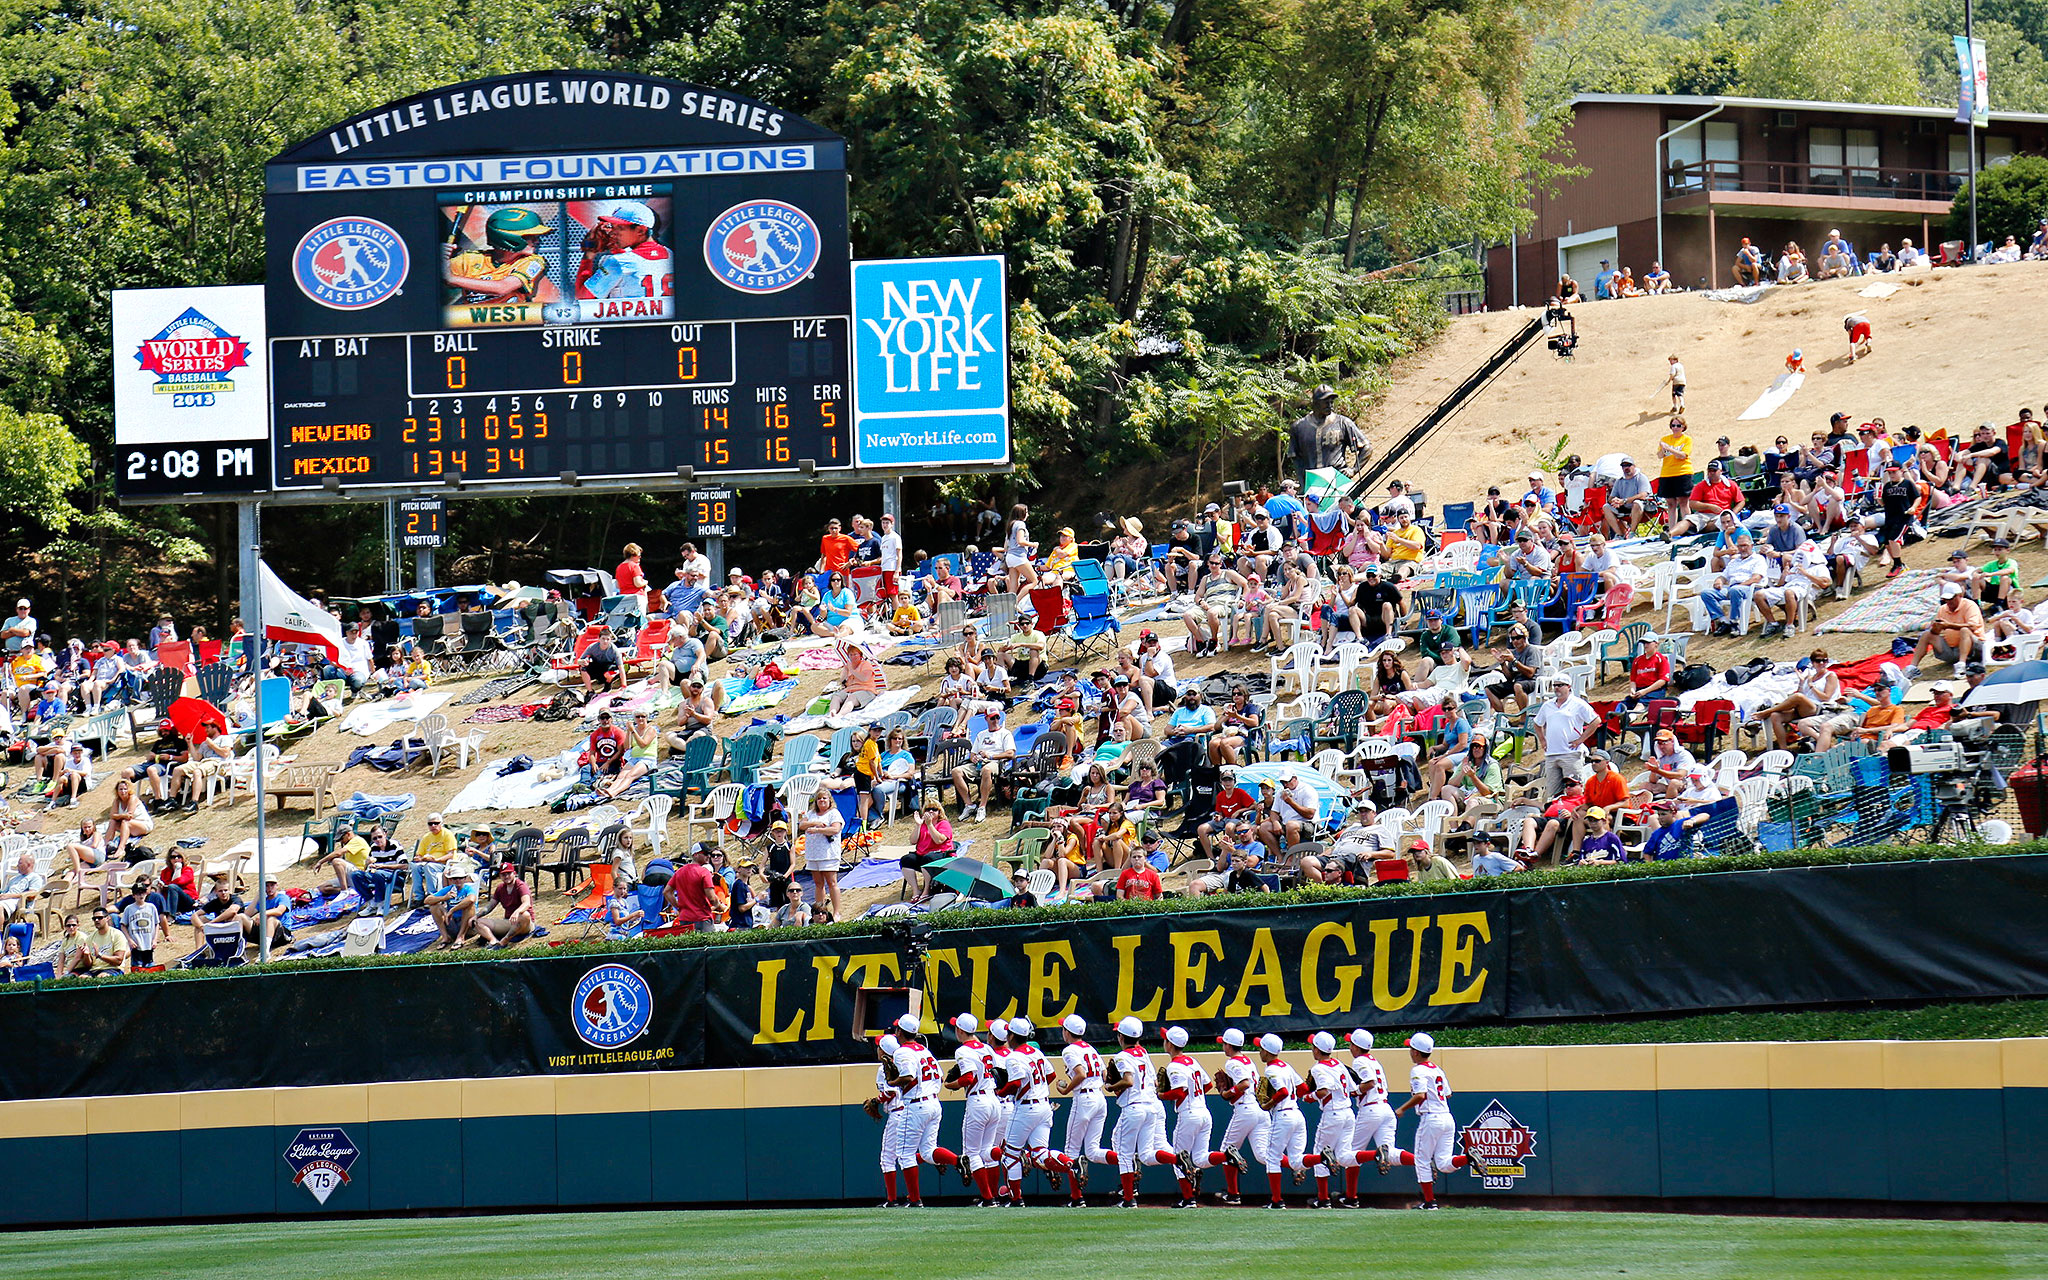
[835,549]
[1605,789]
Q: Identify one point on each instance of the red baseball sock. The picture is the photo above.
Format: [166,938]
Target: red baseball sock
[1429,1192]
[1230,1179]
[1351,1182]
[1109,1158]
[888,1184]
[942,1156]
[1215,1158]
[1187,1189]
[986,1179]
[1273,1181]
[1017,1192]
[1130,1185]
[1311,1160]
[1459,1162]
[910,1177]
[1167,1157]
[1408,1158]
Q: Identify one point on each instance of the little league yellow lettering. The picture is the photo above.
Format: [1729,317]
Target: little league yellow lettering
[1126,945]
[1347,975]
[1383,996]
[1045,981]
[769,973]
[1454,957]
[1262,969]
[1191,974]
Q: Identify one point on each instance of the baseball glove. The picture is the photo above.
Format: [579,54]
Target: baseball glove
[953,1076]
[873,1106]
[1262,1091]
[1162,1081]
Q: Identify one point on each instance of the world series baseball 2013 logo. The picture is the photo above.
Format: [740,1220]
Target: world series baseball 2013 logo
[350,263]
[762,246]
[1499,1147]
[193,359]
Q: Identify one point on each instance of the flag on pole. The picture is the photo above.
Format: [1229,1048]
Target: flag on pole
[292,619]
[1973,75]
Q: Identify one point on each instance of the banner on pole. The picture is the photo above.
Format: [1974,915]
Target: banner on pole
[1973,76]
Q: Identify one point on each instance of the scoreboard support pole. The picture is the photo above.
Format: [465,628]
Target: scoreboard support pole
[394,573]
[251,587]
[892,501]
[423,568]
[714,551]
[249,522]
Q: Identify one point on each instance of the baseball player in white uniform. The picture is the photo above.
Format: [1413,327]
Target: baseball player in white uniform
[1140,1135]
[1287,1140]
[1188,1091]
[1029,1081]
[999,1052]
[1372,1135]
[1248,1121]
[1435,1131]
[974,1074]
[1332,1084]
[918,1076]
[1083,1079]
[892,1118]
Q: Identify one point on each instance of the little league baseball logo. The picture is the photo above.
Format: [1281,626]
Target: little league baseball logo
[320,1160]
[762,246]
[1499,1147]
[350,263]
[192,354]
[611,1007]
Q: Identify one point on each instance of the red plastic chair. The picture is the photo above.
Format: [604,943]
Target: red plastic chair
[1594,511]
[1050,603]
[1389,870]
[1606,612]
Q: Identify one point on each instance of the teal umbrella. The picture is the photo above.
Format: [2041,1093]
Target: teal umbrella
[971,877]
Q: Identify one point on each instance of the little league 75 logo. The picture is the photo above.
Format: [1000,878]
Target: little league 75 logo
[320,1160]
[1499,1147]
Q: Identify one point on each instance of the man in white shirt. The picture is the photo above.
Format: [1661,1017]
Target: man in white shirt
[1397,501]
[1600,559]
[1737,582]
[19,895]
[695,561]
[1803,573]
[355,656]
[992,752]
[1530,559]
[20,630]
[1564,723]
[1297,809]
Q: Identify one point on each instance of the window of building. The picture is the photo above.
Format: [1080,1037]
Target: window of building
[1717,144]
[1992,149]
[1839,157]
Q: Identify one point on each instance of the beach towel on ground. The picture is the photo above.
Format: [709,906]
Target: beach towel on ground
[359,805]
[884,703]
[372,718]
[874,870]
[1774,399]
[1899,607]
[743,699]
[323,909]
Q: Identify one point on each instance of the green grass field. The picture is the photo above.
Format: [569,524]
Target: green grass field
[1043,1244]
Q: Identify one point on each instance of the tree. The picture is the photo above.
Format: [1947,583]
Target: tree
[2012,198]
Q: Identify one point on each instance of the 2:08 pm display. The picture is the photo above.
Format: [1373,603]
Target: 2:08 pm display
[720,397]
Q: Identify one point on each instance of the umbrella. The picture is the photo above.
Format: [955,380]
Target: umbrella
[1608,466]
[187,714]
[972,877]
[514,593]
[2011,686]
[1325,483]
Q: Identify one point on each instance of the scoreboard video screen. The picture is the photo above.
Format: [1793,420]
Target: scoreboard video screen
[657,277]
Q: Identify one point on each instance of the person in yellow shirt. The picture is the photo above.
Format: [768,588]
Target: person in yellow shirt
[1674,468]
[1405,541]
[1060,560]
[907,620]
[430,856]
[351,853]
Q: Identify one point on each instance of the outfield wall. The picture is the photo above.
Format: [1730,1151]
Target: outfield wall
[1907,1122]
[1965,928]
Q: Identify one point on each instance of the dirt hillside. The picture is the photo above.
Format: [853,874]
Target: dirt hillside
[1953,348]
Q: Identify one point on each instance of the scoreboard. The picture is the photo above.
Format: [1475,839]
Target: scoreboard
[528,404]
[553,273]
[526,282]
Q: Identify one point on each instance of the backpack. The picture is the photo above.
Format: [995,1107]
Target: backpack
[1748,671]
[1696,676]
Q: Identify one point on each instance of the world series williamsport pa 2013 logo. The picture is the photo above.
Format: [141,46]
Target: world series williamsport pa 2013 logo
[611,1007]
[193,359]
[1499,1147]
[762,246]
[350,263]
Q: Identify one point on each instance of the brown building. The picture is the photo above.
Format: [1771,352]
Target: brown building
[1725,168]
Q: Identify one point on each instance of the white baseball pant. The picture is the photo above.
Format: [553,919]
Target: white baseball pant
[1248,1123]
[1286,1139]
[1374,1129]
[1434,1138]
[919,1137]
[1086,1115]
[1030,1134]
[1191,1129]
[1139,1137]
[981,1132]
[1333,1137]
[892,1142]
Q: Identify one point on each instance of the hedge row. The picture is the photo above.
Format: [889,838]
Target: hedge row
[1997,1020]
[1556,877]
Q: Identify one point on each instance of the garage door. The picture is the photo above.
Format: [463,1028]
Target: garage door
[1582,261]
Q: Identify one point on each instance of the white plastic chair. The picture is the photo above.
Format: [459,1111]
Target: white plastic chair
[713,808]
[1301,664]
[797,792]
[656,809]
[241,774]
[1727,768]
[1349,657]
[1039,883]
[1774,763]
